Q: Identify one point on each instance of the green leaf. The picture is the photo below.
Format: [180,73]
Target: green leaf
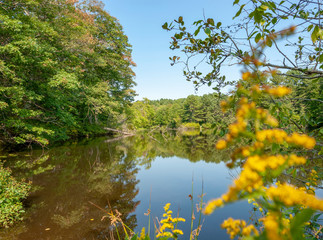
[222,132]
[272,6]
[257,16]
[309,28]
[269,43]
[236,2]
[252,35]
[298,221]
[180,19]
[315,34]
[239,12]
[165,25]
[207,31]
[178,36]
[134,237]
[210,21]
[275,147]
[197,31]
[257,38]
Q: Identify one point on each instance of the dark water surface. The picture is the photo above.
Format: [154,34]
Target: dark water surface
[73,185]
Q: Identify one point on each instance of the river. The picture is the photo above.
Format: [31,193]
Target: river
[76,185]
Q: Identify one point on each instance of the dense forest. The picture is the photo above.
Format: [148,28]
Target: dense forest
[66,70]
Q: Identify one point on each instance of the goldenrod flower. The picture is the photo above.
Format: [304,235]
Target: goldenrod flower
[166,207]
[178,220]
[246,75]
[292,196]
[224,106]
[167,224]
[235,227]
[279,91]
[178,231]
[221,144]
[212,205]
[272,227]
[142,234]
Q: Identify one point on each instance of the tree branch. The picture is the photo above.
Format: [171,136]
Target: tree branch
[306,71]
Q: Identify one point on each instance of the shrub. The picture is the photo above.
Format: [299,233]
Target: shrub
[11,194]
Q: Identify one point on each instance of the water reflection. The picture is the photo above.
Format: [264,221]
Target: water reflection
[124,175]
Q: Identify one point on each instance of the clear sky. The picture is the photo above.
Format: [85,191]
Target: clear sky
[142,20]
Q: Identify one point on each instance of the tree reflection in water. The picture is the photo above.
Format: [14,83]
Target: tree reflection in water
[97,171]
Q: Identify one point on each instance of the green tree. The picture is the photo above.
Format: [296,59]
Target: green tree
[65,70]
[192,109]
[142,114]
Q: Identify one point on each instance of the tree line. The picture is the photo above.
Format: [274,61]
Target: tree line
[301,110]
[202,110]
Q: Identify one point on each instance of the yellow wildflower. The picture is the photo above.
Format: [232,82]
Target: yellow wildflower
[301,140]
[178,220]
[212,205]
[178,231]
[166,207]
[164,234]
[246,231]
[279,91]
[255,89]
[295,160]
[246,75]
[224,106]
[235,227]
[167,224]
[272,227]
[292,196]
[142,234]
[221,144]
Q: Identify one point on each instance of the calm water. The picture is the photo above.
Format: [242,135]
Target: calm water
[74,183]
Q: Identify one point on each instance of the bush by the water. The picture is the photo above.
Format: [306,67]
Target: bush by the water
[12,192]
[190,125]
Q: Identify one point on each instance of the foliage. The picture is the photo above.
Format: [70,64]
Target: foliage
[273,138]
[257,21]
[12,192]
[266,157]
[65,69]
[179,113]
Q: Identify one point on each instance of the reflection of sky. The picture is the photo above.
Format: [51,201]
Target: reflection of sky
[170,180]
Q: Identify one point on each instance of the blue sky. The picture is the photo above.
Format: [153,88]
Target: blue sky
[142,20]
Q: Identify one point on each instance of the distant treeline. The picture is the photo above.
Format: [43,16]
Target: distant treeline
[300,111]
[190,112]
